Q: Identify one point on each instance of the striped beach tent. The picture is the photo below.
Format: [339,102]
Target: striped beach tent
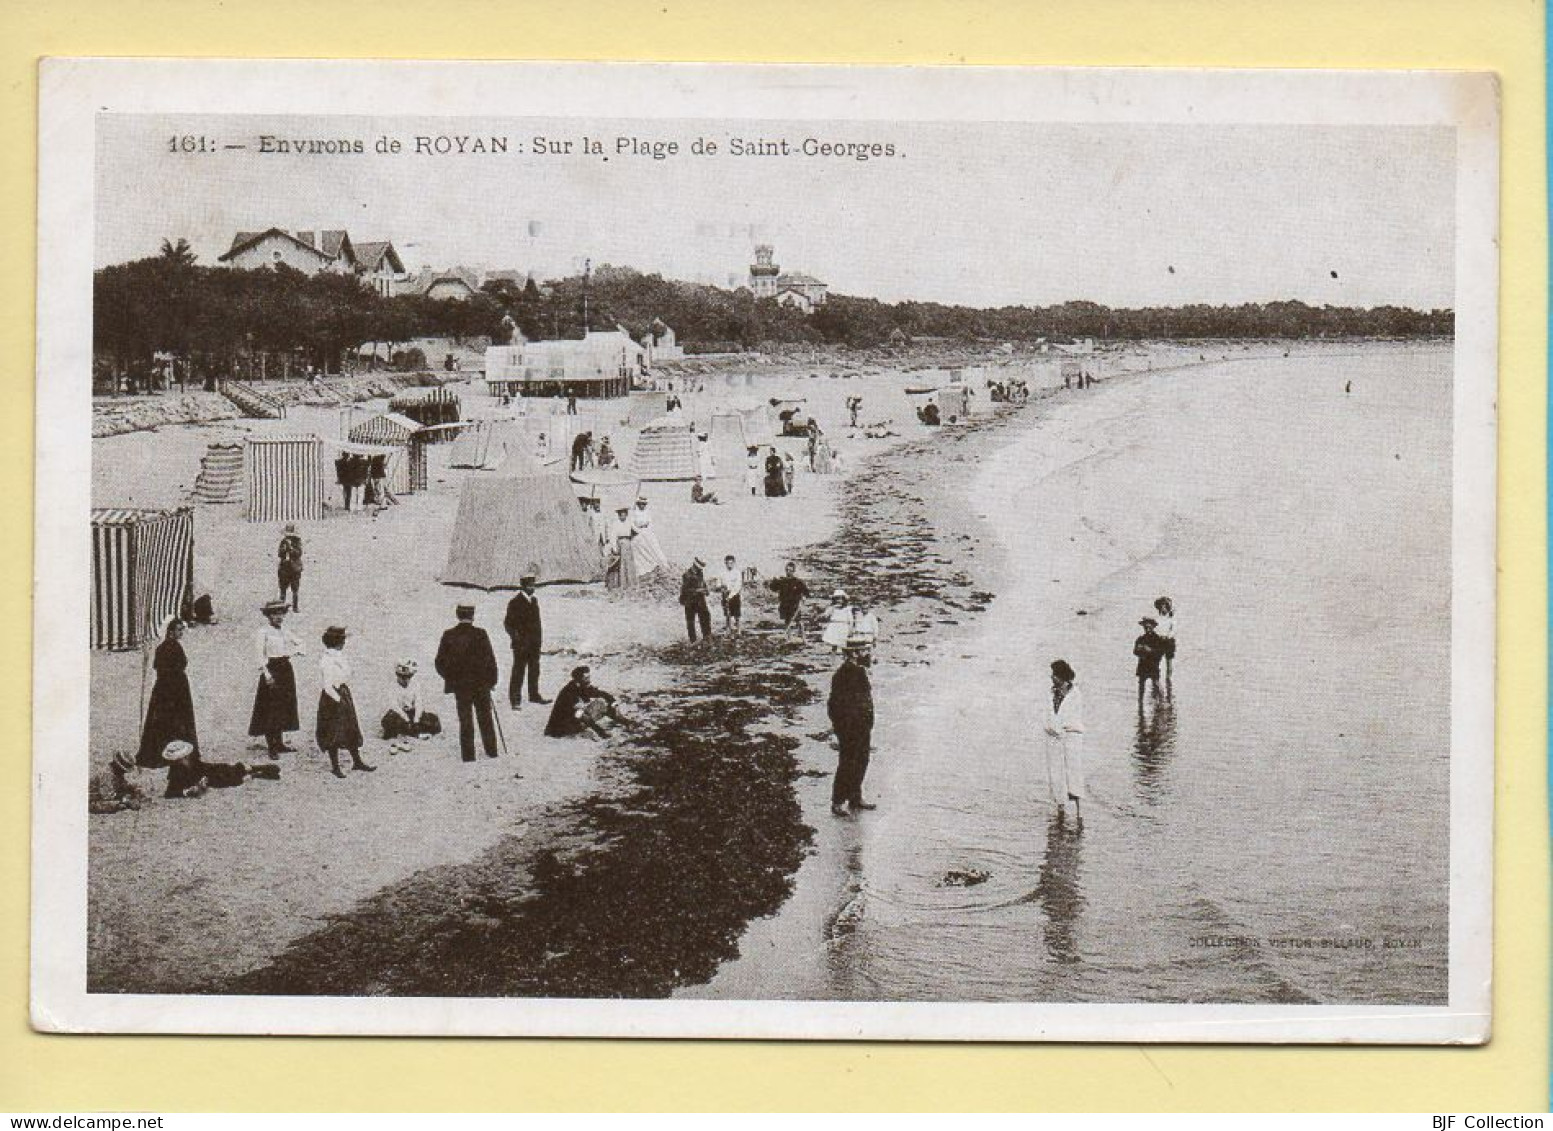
[665,450]
[220,478]
[521,519]
[285,478]
[142,572]
[406,474]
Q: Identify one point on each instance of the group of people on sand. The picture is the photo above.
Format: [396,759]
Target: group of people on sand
[630,547]
[1064,726]
[465,661]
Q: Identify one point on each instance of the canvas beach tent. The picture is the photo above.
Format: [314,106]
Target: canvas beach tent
[645,407]
[220,478]
[730,444]
[406,472]
[484,444]
[610,487]
[142,573]
[759,419]
[953,403]
[665,450]
[522,519]
[284,478]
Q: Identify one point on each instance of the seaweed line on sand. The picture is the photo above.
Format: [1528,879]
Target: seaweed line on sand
[647,884]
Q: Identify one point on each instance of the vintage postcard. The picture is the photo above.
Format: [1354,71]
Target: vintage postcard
[771,552]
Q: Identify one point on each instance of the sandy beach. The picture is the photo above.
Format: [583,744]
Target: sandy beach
[593,873]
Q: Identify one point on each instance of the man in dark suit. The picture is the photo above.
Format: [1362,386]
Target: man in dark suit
[692,595]
[851,709]
[468,670]
[526,633]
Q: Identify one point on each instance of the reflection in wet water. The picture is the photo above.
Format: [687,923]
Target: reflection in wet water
[1152,748]
[1061,898]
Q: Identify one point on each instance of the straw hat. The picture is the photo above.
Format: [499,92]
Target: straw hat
[1149,622]
[270,608]
[406,667]
[840,594]
[177,751]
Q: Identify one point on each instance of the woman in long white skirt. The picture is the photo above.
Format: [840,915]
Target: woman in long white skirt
[838,622]
[1065,741]
[649,551]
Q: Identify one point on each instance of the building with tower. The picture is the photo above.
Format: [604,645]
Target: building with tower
[767,281]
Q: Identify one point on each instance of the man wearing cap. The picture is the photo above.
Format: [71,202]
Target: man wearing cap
[692,595]
[467,666]
[581,708]
[275,701]
[1150,649]
[526,633]
[289,566]
[851,710]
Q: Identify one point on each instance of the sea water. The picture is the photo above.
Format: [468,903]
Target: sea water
[1276,830]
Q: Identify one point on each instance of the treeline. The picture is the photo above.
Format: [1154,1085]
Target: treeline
[702,313]
[221,321]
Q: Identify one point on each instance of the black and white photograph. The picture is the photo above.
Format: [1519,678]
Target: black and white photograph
[835,552]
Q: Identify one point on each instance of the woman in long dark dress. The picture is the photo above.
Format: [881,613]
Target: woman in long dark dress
[275,700]
[170,714]
[338,727]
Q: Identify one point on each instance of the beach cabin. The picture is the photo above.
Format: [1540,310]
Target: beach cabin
[284,478]
[142,573]
[407,470]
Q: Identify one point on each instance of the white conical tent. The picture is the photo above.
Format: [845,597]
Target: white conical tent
[521,519]
[665,450]
[730,444]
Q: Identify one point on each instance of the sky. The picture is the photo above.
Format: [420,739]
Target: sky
[981,214]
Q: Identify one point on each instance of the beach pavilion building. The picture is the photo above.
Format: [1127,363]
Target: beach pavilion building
[602,363]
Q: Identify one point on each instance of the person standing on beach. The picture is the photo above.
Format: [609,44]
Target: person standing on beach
[649,551]
[338,727]
[275,701]
[526,632]
[731,584]
[1065,742]
[851,710]
[621,571]
[467,666]
[289,566]
[1150,649]
[170,714]
[838,623]
[692,595]
[790,591]
[1166,629]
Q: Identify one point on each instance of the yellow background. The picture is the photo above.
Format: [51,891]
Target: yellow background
[105,1073]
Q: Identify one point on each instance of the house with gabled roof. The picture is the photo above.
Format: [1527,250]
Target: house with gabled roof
[449,283]
[378,263]
[303,251]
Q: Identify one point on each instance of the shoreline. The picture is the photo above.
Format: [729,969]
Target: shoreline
[475,835]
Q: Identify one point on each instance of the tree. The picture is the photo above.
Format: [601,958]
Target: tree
[180,253]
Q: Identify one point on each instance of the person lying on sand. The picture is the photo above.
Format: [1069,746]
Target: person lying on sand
[189,775]
[582,708]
